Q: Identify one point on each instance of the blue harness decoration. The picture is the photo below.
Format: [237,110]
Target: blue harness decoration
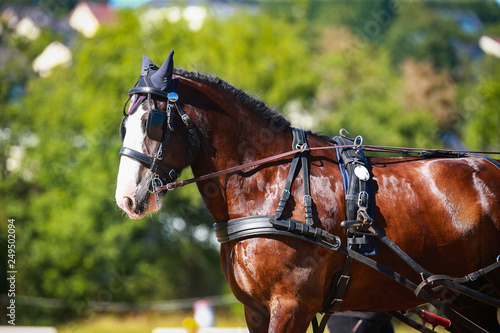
[359,212]
[358,193]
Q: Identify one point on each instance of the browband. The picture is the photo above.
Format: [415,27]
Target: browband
[147,90]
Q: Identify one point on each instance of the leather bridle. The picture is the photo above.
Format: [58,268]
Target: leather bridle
[159,127]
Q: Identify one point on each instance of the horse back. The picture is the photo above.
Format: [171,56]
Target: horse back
[440,205]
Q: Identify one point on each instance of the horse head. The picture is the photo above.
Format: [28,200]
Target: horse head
[159,139]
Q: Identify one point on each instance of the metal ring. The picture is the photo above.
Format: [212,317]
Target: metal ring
[153,183]
[303,147]
[360,141]
[338,242]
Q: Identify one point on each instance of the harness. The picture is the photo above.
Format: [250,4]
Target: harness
[278,224]
[360,232]
[356,177]
[359,212]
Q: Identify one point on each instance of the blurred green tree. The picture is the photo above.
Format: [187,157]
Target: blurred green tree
[59,144]
[479,104]
[73,242]
[423,33]
[361,92]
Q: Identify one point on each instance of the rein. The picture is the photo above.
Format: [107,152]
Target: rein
[423,152]
[174,185]
[419,152]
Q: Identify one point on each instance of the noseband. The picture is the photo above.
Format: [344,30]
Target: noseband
[159,127]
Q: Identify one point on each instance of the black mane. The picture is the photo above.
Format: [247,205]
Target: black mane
[270,115]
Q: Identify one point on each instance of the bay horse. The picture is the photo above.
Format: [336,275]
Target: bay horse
[444,213]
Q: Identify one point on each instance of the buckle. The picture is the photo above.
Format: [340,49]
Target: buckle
[285,195]
[172,174]
[363,200]
[343,279]
[472,277]
[337,301]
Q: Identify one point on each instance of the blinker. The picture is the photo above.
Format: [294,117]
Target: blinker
[155,124]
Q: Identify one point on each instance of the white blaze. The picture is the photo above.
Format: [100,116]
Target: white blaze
[128,171]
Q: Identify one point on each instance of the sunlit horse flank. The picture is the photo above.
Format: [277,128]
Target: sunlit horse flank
[443,212]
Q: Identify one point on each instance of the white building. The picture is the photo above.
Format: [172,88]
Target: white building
[55,54]
[86,17]
[490,45]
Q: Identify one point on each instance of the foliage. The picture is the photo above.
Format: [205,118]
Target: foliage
[370,72]
[427,38]
[74,244]
[480,105]
[353,96]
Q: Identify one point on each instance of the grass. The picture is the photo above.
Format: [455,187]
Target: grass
[139,323]
[146,322]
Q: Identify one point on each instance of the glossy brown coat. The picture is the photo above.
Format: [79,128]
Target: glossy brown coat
[444,213]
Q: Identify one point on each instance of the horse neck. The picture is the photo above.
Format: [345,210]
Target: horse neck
[232,134]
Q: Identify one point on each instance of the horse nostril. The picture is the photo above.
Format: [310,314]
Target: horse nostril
[129,203]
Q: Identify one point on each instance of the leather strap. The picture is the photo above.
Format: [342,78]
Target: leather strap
[148,162]
[245,227]
[454,284]
[307,189]
[348,158]
[266,225]
[215,174]
[299,142]
[285,194]
[489,159]
[449,312]
[335,299]
[147,90]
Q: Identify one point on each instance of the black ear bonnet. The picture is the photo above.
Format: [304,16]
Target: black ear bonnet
[153,81]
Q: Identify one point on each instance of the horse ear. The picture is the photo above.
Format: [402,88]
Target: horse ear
[162,79]
[145,63]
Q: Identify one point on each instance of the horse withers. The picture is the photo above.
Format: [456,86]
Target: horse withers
[444,213]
